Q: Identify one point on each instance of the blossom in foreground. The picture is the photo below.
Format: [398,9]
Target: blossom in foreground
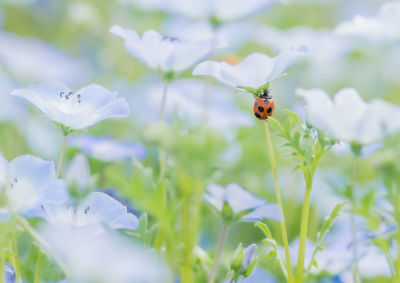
[244,261]
[108,149]
[253,72]
[74,110]
[235,203]
[383,26]
[162,53]
[107,257]
[30,183]
[348,118]
[96,208]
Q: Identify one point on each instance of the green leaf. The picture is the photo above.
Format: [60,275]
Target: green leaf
[263,227]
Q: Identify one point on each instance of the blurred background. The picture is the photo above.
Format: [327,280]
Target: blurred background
[213,137]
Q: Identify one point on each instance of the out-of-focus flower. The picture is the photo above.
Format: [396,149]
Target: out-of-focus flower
[96,208]
[78,172]
[235,203]
[29,59]
[30,183]
[74,110]
[244,261]
[383,26]
[107,257]
[107,149]
[162,53]
[254,71]
[9,273]
[348,118]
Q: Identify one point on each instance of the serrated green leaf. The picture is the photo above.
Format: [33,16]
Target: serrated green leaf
[264,228]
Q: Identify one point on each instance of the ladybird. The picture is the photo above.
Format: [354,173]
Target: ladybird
[263,106]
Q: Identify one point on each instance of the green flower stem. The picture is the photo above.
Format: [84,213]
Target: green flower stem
[61,157]
[303,233]
[279,201]
[37,269]
[40,241]
[163,165]
[309,176]
[213,272]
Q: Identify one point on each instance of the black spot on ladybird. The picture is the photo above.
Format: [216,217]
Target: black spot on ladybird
[257,115]
[269,110]
[260,108]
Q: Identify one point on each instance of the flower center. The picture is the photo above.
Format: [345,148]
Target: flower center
[21,194]
[69,101]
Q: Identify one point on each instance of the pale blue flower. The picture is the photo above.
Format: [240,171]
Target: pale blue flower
[243,204]
[9,273]
[30,183]
[96,208]
[107,257]
[249,255]
[162,53]
[348,117]
[108,149]
[254,71]
[75,110]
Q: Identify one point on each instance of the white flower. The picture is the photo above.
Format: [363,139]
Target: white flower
[383,26]
[254,71]
[162,53]
[348,118]
[30,182]
[75,110]
[96,208]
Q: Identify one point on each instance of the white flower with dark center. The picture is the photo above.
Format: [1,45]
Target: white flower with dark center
[162,53]
[96,208]
[75,110]
[348,118]
[383,26]
[254,71]
[29,183]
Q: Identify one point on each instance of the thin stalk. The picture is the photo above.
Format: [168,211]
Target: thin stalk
[163,165]
[303,233]
[40,241]
[279,201]
[397,209]
[37,269]
[353,224]
[61,157]
[213,273]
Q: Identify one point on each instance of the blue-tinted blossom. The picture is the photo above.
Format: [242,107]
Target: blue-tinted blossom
[75,110]
[30,183]
[240,201]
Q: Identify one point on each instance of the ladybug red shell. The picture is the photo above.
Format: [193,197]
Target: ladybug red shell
[263,107]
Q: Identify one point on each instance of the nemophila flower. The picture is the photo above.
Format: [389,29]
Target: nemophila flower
[74,110]
[244,261]
[253,72]
[108,149]
[96,208]
[30,59]
[107,257]
[235,203]
[348,118]
[162,53]
[383,26]
[9,273]
[78,172]
[30,183]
